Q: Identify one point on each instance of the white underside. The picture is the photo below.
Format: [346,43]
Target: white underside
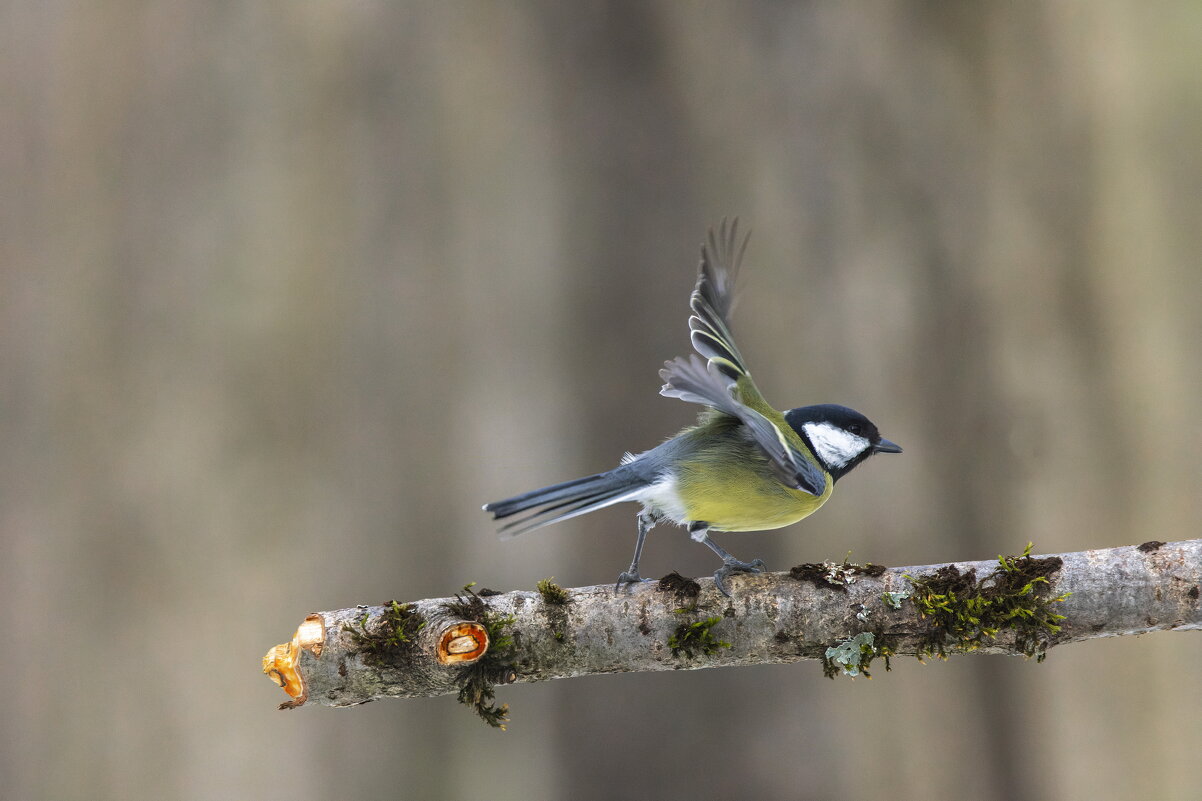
[663,499]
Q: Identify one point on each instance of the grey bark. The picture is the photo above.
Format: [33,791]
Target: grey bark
[770,618]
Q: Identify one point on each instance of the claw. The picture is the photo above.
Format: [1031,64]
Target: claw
[628,577]
[732,565]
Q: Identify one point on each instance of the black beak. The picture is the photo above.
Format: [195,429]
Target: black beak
[885,446]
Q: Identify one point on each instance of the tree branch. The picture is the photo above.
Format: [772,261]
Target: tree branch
[842,614]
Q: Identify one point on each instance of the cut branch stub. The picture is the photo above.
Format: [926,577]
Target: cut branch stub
[462,643]
[281,662]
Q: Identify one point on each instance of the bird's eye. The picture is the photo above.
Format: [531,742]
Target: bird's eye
[854,428]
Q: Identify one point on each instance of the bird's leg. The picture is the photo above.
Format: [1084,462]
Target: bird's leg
[700,532]
[646,521]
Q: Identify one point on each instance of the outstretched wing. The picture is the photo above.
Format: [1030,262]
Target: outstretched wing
[713,299]
[723,382]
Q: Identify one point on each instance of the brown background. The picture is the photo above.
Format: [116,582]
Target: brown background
[290,289]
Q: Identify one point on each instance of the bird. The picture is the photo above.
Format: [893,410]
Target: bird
[744,466]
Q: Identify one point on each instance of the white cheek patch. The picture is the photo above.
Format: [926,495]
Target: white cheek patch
[834,446]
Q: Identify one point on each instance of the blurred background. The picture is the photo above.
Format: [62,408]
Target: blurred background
[288,290]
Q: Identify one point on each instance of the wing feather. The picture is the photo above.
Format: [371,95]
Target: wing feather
[713,298]
[723,381]
[694,381]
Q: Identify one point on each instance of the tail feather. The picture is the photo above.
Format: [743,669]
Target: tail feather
[567,500]
[539,497]
[538,520]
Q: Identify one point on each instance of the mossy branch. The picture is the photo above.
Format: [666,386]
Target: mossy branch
[840,614]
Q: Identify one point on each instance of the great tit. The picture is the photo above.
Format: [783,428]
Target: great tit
[743,467]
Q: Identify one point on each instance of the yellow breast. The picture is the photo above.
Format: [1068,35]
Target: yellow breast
[737,495]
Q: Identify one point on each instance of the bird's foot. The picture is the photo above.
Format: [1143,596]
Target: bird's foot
[730,566]
[629,577]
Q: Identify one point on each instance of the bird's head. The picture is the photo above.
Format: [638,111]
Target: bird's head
[840,437]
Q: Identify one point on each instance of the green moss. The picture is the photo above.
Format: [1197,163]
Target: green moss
[467,604]
[689,639]
[552,593]
[966,613]
[477,681]
[555,599]
[388,638]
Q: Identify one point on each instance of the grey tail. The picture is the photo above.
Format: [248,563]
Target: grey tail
[563,501]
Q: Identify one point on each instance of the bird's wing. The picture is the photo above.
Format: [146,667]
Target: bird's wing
[723,381]
[713,299]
